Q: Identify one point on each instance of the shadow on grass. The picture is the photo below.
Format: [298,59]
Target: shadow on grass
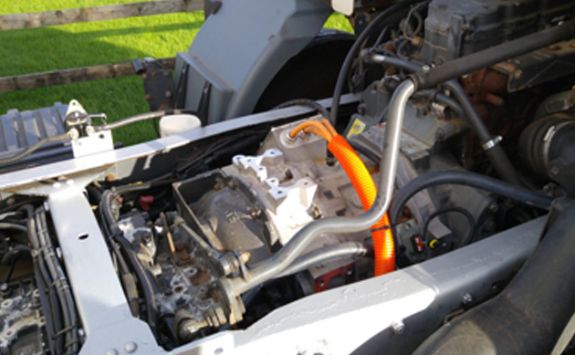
[45,49]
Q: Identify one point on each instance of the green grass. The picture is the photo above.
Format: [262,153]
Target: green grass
[84,44]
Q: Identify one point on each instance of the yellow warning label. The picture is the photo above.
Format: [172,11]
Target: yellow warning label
[356,128]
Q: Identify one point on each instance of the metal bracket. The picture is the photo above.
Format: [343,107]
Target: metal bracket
[104,310]
[491,143]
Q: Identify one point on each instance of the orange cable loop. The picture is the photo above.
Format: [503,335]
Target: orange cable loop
[313,127]
[362,182]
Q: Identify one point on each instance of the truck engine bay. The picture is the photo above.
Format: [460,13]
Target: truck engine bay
[417,207]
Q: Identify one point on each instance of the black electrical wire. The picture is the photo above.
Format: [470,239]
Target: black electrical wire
[386,17]
[516,193]
[115,233]
[122,267]
[495,153]
[371,154]
[14,252]
[306,103]
[31,149]
[453,69]
[220,147]
[11,257]
[465,213]
[44,282]
[436,95]
[60,283]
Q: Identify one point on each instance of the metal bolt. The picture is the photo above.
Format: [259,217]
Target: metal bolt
[554,170]
[90,130]
[73,134]
[493,207]
[398,327]
[219,351]
[111,352]
[245,256]
[130,347]
[425,68]
[466,299]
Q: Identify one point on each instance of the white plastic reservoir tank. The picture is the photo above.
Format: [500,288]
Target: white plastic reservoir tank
[175,124]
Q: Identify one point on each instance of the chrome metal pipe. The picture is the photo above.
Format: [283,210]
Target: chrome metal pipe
[348,250]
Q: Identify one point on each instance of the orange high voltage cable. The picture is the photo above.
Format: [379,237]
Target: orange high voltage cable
[362,182]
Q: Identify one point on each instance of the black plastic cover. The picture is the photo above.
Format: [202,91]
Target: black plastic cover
[454,28]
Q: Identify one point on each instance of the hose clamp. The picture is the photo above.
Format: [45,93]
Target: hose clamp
[491,143]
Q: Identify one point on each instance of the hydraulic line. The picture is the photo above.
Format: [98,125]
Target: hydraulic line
[156,115]
[334,252]
[490,145]
[424,181]
[392,14]
[383,244]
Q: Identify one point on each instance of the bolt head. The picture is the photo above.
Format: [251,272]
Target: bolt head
[398,327]
[90,130]
[130,347]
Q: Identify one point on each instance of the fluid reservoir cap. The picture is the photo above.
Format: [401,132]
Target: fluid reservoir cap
[176,124]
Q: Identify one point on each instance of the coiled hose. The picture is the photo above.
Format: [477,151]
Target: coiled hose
[362,182]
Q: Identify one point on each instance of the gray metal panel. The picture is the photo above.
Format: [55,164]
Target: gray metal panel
[21,129]
[240,48]
[125,158]
[106,316]
[390,314]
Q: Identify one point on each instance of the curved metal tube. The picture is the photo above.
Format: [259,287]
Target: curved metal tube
[324,255]
[279,262]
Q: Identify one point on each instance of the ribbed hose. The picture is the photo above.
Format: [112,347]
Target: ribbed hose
[362,182]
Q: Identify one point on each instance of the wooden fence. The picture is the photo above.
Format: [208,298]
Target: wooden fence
[89,14]
[98,13]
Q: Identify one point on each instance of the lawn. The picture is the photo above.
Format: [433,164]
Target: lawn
[77,45]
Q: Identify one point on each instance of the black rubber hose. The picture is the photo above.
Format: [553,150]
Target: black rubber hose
[436,95]
[384,58]
[116,234]
[60,283]
[462,211]
[54,310]
[430,77]
[519,194]
[371,154]
[530,314]
[495,153]
[386,17]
